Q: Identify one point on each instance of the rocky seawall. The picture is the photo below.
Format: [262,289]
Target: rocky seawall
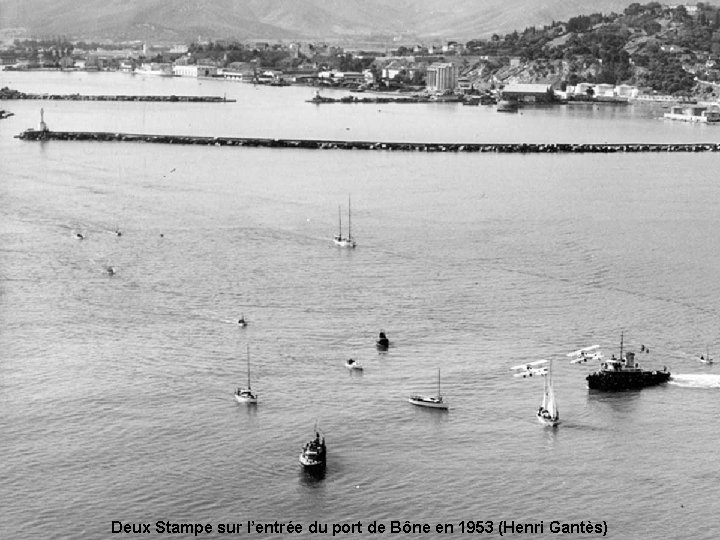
[520,148]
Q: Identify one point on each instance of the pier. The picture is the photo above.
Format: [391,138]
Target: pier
[8,94]
[319,144]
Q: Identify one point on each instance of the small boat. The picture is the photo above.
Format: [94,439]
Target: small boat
[353,365]
[624,373]
[706,359]
[79,236]
[434,402]
[242,322]
[246,395]
[383,343]
[548,412]
[314,454]
[339,239]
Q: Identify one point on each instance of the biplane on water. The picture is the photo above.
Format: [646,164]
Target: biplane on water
[587,353]
[531,369]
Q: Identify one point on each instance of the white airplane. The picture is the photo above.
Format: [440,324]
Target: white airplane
[585,354]
[530,369]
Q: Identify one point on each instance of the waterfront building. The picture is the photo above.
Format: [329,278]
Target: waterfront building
[441,77]
[194,71]
[529,93]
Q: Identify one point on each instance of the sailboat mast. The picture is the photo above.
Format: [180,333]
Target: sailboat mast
[621,346]
[439,382]
[339,221]
[248,362]
[349,222]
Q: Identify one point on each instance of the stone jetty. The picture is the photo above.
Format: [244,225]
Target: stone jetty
[8,94]
[518,148]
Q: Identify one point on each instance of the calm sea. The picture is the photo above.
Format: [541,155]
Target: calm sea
[116,390]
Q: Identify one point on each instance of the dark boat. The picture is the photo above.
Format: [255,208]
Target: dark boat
[314,454]
[624,373]
[383,342]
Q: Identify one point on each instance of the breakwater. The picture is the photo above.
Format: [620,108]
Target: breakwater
[318,100]
[520,148]
[8,94]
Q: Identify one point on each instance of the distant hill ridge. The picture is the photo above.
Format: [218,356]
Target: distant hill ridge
[185,20]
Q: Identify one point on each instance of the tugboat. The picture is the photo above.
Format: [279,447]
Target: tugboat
[624,373]
[314,454]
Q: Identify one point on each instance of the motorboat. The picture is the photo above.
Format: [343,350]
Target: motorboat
[706,358]
[353,365]
[314,454]
[433,402]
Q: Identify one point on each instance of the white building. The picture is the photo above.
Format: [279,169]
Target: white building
[194,71]
[441,77]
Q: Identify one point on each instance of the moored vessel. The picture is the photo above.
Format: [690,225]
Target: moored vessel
[246,395]
[339,239]
[433,402]
[314,454]
[624,373]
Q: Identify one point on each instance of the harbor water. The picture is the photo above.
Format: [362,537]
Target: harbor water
[116,389]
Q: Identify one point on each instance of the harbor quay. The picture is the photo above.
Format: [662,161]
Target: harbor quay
[318,144]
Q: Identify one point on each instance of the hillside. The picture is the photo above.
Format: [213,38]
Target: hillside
[185,20]
[667,50]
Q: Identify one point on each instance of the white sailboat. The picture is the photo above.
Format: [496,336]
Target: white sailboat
[246,395]
[434,402]
[339,239]
[548,412]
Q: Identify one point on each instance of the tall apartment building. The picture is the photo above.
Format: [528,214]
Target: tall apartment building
[441,77]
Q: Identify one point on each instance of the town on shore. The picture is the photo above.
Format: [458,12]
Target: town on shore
[650,52]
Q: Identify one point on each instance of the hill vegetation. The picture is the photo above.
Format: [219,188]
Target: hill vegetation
[648,45]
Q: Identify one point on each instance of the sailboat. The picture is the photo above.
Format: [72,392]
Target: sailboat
[435,402]
[246,395]
[706,359]
[548,412]
[339,239]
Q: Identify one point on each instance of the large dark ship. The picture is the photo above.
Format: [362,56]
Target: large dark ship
[624,373]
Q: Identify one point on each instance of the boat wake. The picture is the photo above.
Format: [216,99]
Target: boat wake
[699,380]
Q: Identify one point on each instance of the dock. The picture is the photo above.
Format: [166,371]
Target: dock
[319,144]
